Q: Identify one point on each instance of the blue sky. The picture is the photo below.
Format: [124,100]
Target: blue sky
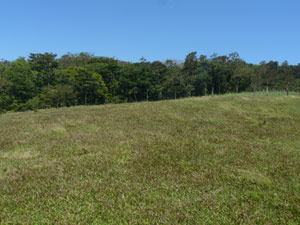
[156,29]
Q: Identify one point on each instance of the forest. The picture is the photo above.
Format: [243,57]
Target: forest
[44,81]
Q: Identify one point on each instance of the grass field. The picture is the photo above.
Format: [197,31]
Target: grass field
[222,160]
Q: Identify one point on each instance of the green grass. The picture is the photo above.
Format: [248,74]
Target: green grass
[231,159]
[263,93]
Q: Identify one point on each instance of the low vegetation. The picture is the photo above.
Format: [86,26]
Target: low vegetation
[231,159]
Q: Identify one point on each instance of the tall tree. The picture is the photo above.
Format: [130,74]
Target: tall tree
[267,72]
[89,85]
[22,80]
[44,65]
[241,78]
[286,76]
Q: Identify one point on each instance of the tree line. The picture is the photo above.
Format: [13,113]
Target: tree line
[43,80]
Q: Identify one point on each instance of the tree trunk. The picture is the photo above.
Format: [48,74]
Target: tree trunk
[287,89]
[85,98]
[237,87]
[267,88]
[147,95]
[49,76]
[135,96]
[175,95]
[212,91]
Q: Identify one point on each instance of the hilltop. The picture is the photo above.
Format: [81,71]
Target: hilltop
[203,160]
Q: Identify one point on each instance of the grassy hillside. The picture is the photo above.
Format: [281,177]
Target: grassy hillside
[221,160]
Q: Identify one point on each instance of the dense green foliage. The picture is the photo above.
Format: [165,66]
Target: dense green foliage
[231,159]
[45,81]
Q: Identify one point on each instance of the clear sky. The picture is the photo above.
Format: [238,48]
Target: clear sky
[156,29]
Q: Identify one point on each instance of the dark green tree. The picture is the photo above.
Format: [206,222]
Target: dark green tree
[89,86]
[22,81]
[44,66]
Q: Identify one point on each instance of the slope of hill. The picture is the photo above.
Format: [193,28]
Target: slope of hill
[221,160]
